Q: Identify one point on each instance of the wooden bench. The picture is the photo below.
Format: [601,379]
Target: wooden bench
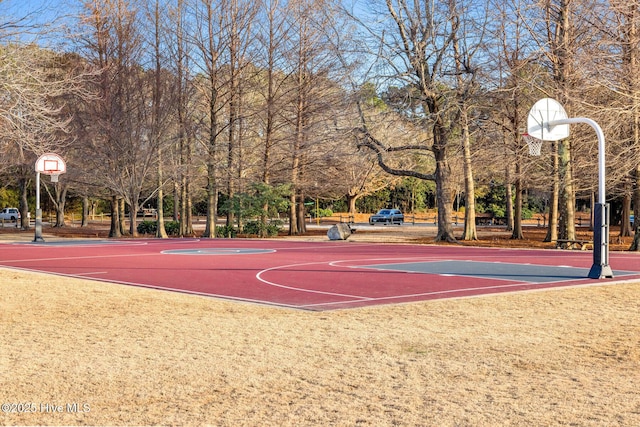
[574,244]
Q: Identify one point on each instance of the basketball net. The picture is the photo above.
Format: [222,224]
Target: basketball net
[53,173]
[535,144]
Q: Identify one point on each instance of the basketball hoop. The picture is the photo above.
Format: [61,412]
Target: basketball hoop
[535,144]
[51,164]
[548,121]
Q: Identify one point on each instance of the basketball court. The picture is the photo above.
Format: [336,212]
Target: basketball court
[332,275]
[314,275]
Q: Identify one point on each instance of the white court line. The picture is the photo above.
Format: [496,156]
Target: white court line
[360,298]
[294,288]
[424,294]
[75,257]
[489,294]
[80,244]
[473,276]
[400,261]
[91,273]
[162,288]
[332,264]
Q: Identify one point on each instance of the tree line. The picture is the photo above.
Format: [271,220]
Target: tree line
[275,100]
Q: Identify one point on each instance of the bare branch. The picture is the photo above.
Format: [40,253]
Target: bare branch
[365,139]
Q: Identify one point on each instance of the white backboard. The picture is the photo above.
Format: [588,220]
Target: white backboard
[51,164]
[544,112]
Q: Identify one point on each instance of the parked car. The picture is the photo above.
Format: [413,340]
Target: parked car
[387,216]
[10,214]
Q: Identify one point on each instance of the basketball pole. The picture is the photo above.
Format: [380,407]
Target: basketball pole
[38,237]
[600,268]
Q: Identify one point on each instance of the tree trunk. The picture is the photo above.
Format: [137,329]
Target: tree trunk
[122,217]
[182,193]
[231,148]
[463,90]
[635,244]
[509,199]
[133,216]
[517,217]
[470,232]
[23,205]
[552,233]
[302,224]
[633,58]
[114,230]
[563,56]
[189,213]
[85,211]
[351,202]
[293,216]
[60,192]
[566,221]
[212,203]
[161,231]
[183,201]
[625,226]
[212,183]
[176,200]
[444,192]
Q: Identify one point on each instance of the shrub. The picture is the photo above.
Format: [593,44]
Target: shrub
[226,231]
[172,228]
[257,228]
[150,227]
[321,212]
[147,227]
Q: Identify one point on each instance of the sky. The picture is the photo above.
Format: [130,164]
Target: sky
[37,14]
[34,10]
[31,16]
[43,11]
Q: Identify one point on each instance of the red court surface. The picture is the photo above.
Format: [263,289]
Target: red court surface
[314,275]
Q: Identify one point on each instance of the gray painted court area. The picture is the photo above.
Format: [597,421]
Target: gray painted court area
[493,270]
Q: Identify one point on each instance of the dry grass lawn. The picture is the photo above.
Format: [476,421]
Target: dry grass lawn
[133,356]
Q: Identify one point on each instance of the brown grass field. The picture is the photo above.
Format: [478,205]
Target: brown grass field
[76,352]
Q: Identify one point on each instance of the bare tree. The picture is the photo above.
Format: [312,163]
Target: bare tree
[179,53]
[558,31]
[419,47]
[519,77]
[270,51]
[359,169]
[167,92]
[467,40]
[238,18]
[560,55]
[124,153]
[630,16]
[37,85]
[363,177]
[211,41]
[311,62]
[618,58]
